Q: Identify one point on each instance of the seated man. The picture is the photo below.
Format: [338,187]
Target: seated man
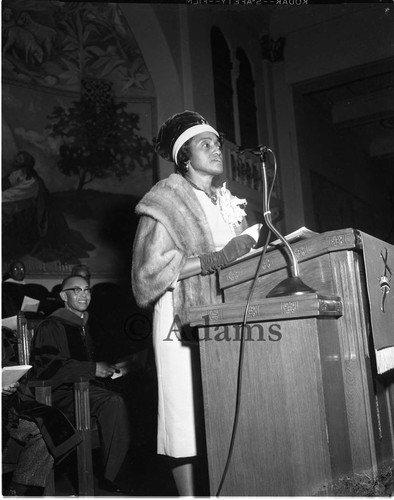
[14,289]
[63,352]
[34,435]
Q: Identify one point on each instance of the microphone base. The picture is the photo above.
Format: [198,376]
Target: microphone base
[290,286]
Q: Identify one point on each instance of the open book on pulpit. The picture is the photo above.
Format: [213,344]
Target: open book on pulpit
[299,234]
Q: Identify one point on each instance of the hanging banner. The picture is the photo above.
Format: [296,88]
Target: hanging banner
[379,269]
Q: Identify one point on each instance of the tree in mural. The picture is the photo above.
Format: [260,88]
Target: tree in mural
[99,139]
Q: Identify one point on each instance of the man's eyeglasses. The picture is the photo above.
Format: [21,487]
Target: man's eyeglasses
[78,290]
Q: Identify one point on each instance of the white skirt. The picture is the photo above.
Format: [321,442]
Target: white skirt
[176,433]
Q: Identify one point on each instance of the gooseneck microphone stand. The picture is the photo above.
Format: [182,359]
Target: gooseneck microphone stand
[292,285]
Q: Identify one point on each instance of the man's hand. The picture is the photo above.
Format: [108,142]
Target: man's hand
[104,369]
[10,389]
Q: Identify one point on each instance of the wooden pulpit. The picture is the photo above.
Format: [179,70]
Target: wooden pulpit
[314,407]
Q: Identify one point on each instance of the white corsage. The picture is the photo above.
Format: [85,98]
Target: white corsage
[231,207]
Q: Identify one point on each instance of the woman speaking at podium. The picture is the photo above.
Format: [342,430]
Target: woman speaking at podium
[188,229]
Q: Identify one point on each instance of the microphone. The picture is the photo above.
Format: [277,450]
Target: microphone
[255,152]
[294,284]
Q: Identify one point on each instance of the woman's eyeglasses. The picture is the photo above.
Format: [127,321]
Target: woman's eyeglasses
[78,290]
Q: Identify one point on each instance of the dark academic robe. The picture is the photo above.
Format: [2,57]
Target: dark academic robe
[59,434]
[62,353]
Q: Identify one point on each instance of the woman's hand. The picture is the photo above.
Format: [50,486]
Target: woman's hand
[254,231]
[208,263]
[235,248]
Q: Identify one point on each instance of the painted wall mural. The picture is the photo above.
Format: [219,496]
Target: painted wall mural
[57,44]
[78,97]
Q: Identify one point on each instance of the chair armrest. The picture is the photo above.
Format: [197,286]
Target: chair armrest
[42,390]
[43,394]
[82,404]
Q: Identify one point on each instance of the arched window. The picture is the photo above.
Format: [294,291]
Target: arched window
[222,67]
[246,102]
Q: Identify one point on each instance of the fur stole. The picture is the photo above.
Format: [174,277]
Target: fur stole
[172,213]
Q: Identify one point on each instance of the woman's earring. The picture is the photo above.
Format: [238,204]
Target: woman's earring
[187,166]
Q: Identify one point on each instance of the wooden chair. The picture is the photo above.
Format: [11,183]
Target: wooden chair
[83,424]
[88,433]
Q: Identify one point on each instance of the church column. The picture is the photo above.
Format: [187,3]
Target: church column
[282,129]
